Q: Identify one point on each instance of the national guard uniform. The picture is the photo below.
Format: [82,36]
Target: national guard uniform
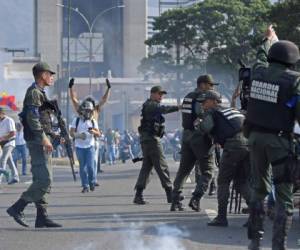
[151,131]
[34,133]
[225,126]
[272,109]
[194,146]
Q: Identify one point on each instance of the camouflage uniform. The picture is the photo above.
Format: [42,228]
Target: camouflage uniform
[152,149]
[194,147]
[270,142]
[234,163]
[37,125]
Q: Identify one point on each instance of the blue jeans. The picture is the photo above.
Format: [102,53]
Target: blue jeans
[111,151]
[100,157]
[97,147]
[86,158]
[20,153]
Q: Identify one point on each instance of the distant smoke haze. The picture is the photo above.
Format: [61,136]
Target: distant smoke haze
[16,31]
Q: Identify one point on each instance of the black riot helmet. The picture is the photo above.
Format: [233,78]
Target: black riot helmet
[86,109]
[284,52]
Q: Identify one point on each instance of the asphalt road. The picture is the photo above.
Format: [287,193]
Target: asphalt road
[107,218]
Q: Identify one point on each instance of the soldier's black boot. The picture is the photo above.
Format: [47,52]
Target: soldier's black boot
[139,198]
[194,203]
[42,219]
[177,202]
[169,194]
[16,211]
[219,221]
[255,225]
[281,226]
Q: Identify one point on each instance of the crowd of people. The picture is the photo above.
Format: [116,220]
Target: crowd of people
[257,143]
[114,146]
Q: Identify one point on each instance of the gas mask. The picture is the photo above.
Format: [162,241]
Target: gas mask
[86,110]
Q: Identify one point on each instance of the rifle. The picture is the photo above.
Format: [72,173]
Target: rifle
[63,133]
[245,81]
[236,197]
[217,156]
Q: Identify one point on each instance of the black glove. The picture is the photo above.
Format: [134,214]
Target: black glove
[71,83]
[108,83]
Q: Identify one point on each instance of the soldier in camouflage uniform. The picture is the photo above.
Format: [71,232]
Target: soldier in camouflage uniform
[151,131]
[40,147]
[273,106]
[194,147]
[224,125]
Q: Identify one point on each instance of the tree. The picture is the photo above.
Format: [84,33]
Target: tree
[176,36]
[286,15]
[158,65]
[212,34]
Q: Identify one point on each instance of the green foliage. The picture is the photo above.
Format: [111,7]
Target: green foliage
[159,65]
[175,28]
[212,34]
[232,29]
[286,15]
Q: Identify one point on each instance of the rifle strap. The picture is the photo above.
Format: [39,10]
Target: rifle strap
[77,122]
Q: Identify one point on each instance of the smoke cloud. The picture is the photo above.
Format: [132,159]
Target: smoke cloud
[137,236]
[167,238]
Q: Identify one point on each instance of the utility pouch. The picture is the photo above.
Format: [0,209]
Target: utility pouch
[246,129]
[28,134]
[159,129]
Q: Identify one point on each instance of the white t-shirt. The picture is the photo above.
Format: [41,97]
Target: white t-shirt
[20,138]
[83,127]
[7,125]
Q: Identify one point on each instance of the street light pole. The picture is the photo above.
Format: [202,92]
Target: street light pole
[90,27]
[68,55]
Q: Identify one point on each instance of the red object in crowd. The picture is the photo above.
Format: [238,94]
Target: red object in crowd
[9,101]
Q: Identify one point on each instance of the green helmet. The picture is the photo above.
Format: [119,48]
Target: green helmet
[285,52]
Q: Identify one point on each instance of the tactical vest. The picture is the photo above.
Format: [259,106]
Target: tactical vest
[267,107]
[42,112]
[152,123]
[227,123]
[189,114]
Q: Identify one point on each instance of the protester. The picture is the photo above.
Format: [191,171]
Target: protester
[111,146]
[84,128]
[7,142]
[20,149]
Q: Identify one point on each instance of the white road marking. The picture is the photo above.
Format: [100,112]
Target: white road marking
[188,180]
[211,213]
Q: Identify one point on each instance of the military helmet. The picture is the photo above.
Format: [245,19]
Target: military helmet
[285,52]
